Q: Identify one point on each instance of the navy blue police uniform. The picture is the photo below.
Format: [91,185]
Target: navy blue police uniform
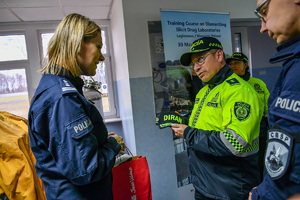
[74,157]
[282,157]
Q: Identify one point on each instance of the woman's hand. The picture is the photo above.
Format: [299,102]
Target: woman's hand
[119,140]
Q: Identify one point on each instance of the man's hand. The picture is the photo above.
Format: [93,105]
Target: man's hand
[178,129]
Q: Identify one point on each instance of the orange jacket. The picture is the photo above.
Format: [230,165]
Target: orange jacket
[18,179]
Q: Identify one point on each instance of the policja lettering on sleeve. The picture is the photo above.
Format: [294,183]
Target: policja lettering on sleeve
[83,125]
[288,104]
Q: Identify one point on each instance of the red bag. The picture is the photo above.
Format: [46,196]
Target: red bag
[131,180]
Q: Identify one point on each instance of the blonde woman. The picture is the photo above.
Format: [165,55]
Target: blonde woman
[74,152]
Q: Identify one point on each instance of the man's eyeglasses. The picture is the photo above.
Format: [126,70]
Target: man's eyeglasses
[199,61]
[261,10]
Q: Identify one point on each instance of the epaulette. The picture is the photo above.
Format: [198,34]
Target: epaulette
[233,81]
[66,86]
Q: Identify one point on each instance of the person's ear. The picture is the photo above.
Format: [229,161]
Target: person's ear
[246,65]
[220,54]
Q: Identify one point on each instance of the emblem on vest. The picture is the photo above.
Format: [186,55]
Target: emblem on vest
[242,110]
[213,101]
[258,88]
[278,154]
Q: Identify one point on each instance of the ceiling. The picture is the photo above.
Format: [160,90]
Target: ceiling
[41,10]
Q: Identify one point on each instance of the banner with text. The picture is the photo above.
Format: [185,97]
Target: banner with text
[180,30]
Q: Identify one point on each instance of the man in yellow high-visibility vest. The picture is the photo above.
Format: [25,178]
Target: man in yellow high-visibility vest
[223,130]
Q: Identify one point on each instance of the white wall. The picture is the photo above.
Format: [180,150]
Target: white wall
[121,74]
[135,86]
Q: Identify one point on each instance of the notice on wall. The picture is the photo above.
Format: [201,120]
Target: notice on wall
[180,30]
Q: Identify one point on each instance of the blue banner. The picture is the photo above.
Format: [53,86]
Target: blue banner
[180,29]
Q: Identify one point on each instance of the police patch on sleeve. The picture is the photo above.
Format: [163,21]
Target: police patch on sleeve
[80,127]
[242,110]
[278,153]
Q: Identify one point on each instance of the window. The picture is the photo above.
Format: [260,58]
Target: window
[237,42]
[13,83]
[13,47]
[103,73]
[45,41]
[13,92]
[22,50]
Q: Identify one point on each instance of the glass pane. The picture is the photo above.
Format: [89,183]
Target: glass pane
[45,41]
[237,42]
[13,92]
[101,77]
[12,47]
[104,47]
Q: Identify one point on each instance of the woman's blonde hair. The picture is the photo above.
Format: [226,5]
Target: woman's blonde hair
[66,42]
